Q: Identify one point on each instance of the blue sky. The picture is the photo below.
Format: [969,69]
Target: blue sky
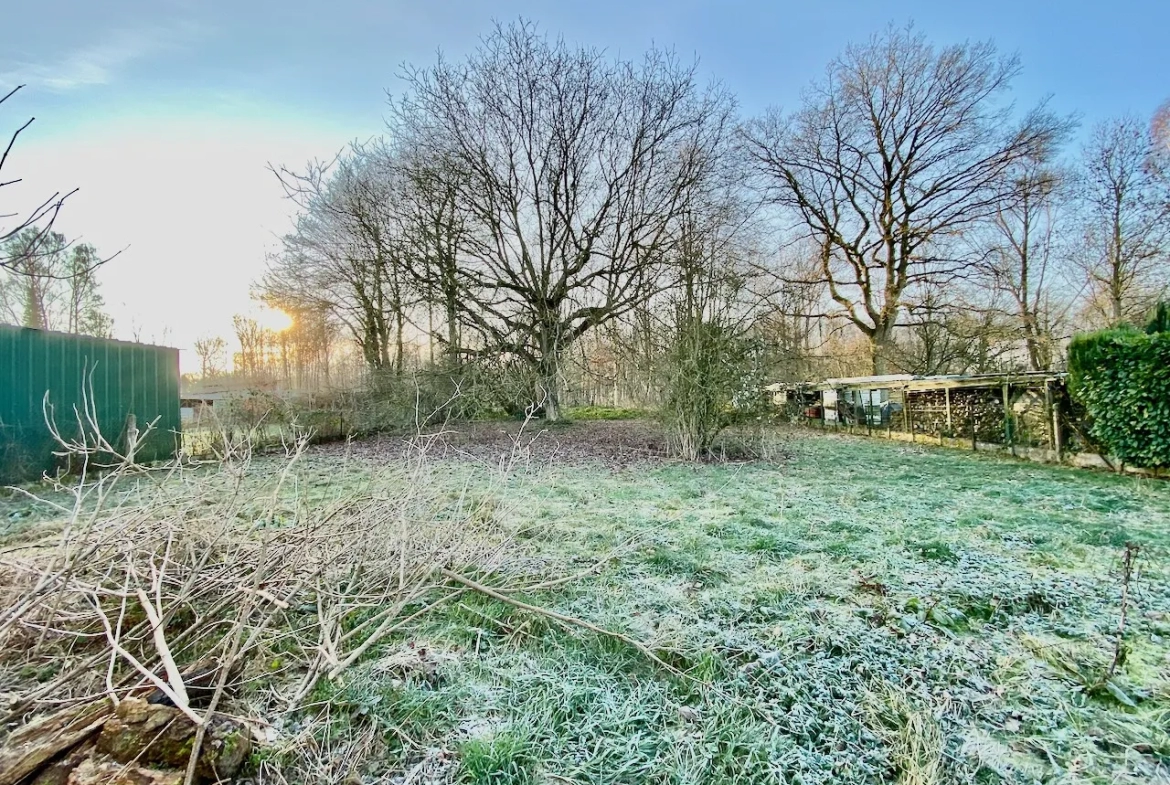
[166,112]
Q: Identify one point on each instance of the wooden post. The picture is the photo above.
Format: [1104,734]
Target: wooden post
[865,408]
[950,425]
[1007,419]
[1056,435]
[131,436]
[909,415]
[971,410]
[1048,413]
[890,414]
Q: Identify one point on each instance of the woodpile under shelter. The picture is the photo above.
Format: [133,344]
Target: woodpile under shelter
[1013,411]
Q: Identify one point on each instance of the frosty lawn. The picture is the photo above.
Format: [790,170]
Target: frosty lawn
[857,612]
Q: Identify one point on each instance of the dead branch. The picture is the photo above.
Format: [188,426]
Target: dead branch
[562,618]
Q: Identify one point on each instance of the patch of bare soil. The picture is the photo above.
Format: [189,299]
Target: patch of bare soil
[614,443]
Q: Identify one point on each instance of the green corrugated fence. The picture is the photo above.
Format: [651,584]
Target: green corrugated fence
[118,378]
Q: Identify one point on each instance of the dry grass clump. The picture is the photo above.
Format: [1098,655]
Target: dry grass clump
[912,732]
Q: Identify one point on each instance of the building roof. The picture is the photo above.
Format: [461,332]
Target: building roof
[912,382]
[877,381]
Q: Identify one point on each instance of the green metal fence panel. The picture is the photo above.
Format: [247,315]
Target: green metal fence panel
[63,375]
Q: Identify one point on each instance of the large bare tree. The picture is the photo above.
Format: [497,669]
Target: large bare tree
[346,255]
[1019,260]
[211,351]
[898,151]
[433,230]
[571,170]
[1126,214]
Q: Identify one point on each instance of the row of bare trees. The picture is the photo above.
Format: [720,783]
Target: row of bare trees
[544,206]
[307,355]
[50,284]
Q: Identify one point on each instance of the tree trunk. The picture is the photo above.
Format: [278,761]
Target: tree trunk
[431,331]
[1034,353]
[1032,338]
[383,345]
[399,348]
[880,344]
[547,388]
[1116,288]
[1117,284]
[1115,300]
[452,305]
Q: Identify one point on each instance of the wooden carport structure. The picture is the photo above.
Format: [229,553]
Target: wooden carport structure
[1020,410]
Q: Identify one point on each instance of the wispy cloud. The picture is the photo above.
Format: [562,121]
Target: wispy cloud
[99,63]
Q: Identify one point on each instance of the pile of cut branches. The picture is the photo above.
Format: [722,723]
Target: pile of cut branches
[166,594]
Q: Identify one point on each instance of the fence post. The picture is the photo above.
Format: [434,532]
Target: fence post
[1007,419]
[1056,434]
[1048,413]
[866,409]
[971,411]
[909,413]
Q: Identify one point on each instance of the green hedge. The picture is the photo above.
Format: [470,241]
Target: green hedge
[1122,377]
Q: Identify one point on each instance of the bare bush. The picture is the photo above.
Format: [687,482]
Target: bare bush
[712,380]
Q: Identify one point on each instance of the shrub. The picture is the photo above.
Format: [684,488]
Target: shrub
[1122,377]
[713,380]
[265,419]
[493,387]
[386,402]
[482,389]
[391,402]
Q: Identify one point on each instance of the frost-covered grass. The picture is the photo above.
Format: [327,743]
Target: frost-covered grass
[861,612]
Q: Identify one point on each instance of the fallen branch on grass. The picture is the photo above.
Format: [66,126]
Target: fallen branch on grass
[563,619]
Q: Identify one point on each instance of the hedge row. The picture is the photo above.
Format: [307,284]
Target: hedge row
[1122,377]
